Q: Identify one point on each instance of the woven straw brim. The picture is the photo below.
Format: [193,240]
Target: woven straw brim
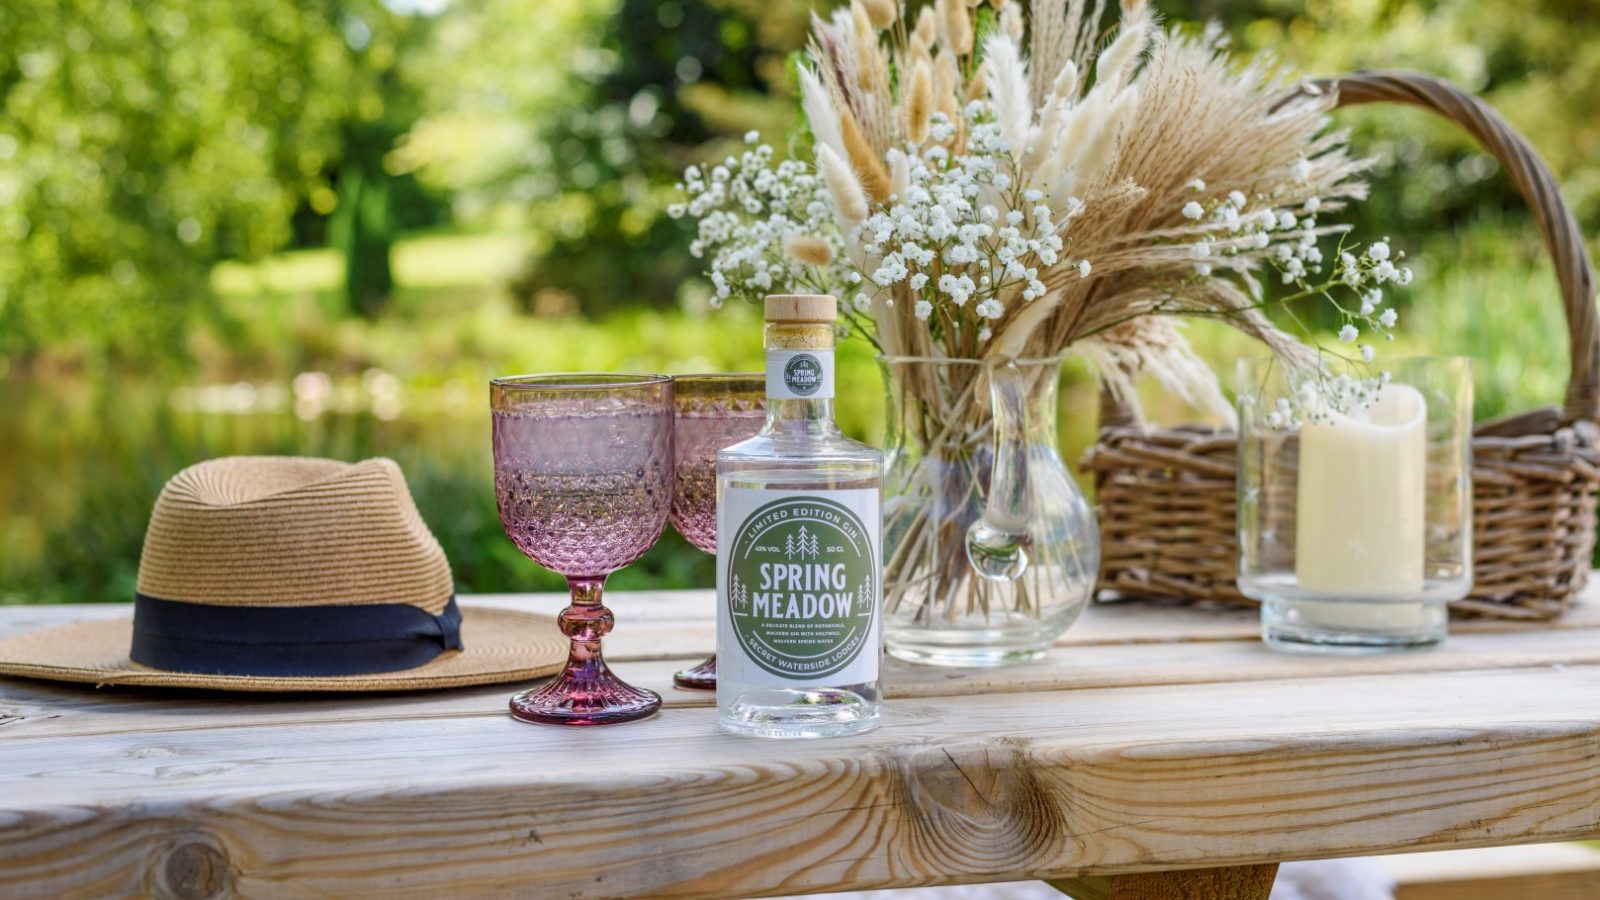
[501,646]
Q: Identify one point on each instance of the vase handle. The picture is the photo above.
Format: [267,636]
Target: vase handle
[997,542]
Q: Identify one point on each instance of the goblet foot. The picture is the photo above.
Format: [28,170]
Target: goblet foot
[600,699]
[700,678]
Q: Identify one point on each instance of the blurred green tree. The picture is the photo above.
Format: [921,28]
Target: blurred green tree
[139,142]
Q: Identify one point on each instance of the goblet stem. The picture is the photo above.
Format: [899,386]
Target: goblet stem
[586,692]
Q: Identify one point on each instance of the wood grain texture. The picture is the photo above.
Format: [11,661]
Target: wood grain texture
[1114,757]
[1234,883]
[1098,781]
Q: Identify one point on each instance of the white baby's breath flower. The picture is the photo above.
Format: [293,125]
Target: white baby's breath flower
[1197,185]
[1388,318]
[923,310]
[1192,210]
[1378,252]
[1313,204]
[1348,334]
[1084,268]
[985,333]
[1367,352]
[750,137]
[1237,199]
[1370,301]
[1202,269]
[1200,249]
[1301,171]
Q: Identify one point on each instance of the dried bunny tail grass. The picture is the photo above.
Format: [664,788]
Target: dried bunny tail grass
[927,29]
[882,13]
[808,249]
[819,111]
[874,178]
[848,198]
[955,26]
[1155,346]
[864,38]
[899,172]
[919,102]
[1007,78]
[1011,22]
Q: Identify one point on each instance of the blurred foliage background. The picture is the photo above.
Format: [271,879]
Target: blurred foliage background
[319,226]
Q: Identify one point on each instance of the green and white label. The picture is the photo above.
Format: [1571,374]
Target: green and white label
[798,586]
[800,374]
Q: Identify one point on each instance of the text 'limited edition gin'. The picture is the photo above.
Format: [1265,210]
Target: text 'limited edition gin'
[799,549]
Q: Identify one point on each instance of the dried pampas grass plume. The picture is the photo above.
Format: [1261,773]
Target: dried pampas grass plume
[808,249]
[843,187]
[1115,67]
[820,114]
[1007,81]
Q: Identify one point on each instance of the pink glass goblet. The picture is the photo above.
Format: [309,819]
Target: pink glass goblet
[583,480]
[713,412]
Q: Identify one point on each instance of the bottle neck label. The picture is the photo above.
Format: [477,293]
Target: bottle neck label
[800,374]
[798,586]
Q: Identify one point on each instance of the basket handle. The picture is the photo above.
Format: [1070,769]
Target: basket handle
[1533,180]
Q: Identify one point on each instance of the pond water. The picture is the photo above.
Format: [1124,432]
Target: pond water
[82,461]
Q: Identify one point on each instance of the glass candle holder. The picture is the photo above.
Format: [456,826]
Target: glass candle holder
[1355,500]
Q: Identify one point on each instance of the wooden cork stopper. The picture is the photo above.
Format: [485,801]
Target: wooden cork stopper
[802,308]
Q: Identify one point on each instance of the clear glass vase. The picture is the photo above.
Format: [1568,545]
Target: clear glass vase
[991,549]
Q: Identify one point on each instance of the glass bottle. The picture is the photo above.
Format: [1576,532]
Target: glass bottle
[799,549]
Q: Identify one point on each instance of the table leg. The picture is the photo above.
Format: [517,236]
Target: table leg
[1228,883]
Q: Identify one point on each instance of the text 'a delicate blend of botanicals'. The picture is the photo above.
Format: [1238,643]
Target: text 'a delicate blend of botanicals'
[799,549]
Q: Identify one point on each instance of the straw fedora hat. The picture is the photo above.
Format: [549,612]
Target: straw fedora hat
[264,573]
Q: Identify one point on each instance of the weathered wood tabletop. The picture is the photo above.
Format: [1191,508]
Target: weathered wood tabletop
[1152,739]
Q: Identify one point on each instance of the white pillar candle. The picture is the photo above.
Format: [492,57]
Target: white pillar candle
[1360,511]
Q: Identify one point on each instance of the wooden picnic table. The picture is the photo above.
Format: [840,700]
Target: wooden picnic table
[1154,739]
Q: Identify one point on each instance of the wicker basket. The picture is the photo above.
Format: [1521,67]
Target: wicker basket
[1165,498]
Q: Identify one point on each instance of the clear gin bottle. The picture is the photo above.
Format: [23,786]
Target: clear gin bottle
[799,549]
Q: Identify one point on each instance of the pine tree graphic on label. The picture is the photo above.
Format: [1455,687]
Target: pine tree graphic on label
[864,598]
[811,544]
[788,546]
[741,597]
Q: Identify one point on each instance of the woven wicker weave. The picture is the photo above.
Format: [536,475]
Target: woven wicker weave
[1165,497]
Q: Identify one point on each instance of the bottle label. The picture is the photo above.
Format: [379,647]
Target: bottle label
[800,374]
[798,586]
